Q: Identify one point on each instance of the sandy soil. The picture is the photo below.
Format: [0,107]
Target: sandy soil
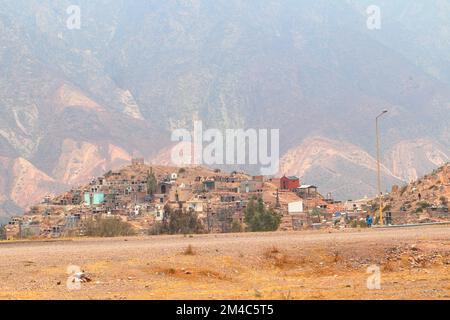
[414,264]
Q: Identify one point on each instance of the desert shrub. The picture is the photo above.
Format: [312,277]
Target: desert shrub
[336,256]
[389,266]
[258,218]
[2,233]
[236,226]
[419,210]
[276,258]
[179,222]
[316,212]
[423,204]
[157,229]
[189,251]
[181,170]
[108,227]
[443,200]
[271,251]
[357,223]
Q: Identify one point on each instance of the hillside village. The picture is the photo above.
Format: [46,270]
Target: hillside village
[141,195]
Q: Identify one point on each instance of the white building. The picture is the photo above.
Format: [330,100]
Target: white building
[295,207]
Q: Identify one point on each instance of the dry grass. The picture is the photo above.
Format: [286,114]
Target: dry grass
[274,250]
[189,251]
[192,274]
[301,260]
[283,261]
[300,266]
[270,252]
[214,275]
[337,257]
[287,296]
[171,271]
[276,258]
[389,266]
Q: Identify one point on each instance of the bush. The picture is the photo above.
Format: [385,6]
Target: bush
[443,200]
[316,212]
[157,229]
[236,227]
[108,227]
[189,251]
[179,222]
[423,204]
[357,223]
[2,233]
[258,218]
[181,170]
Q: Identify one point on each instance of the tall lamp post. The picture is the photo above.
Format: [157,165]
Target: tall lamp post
[379,167]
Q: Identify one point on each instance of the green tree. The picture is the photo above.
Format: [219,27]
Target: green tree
[423,204]
[108,227]
[258,218]
[2,232]
[152,183]
[236,227]
[316,212]
[179,222]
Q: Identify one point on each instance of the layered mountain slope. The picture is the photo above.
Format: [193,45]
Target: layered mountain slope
[408,159]
[322,162]
[76,102]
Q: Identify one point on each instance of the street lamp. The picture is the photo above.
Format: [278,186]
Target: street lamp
[379,167]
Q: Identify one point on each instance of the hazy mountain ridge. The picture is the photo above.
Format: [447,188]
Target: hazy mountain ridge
[76,102]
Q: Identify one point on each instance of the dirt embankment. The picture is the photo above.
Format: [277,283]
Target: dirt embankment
[414,263]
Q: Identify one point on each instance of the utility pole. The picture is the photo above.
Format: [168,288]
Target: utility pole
[379,168]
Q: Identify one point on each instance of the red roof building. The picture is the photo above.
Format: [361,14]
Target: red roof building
[289,183]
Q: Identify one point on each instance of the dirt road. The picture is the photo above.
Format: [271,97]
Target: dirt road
[413,263]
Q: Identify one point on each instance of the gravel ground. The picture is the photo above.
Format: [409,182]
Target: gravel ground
[414,264]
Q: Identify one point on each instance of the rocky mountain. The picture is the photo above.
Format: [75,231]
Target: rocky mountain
[75,102]
[320,159]
[429,193]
